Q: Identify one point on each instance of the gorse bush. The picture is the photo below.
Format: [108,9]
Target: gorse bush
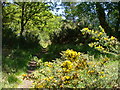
[102,42]
[73,70]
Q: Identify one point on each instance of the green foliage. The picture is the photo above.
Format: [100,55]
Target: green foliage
[75,70]
[9,38]
[11,62]
[14,63]
[80,66]
[30,40]
[12,79]
[69,34]
[88,15]
[102,42]
[25,18]
[84,13]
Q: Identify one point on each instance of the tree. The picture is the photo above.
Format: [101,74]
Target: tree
[102,19]
[29,17]
[28,11]
[91,15]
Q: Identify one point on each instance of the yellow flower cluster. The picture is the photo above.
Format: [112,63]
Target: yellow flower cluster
[40,85]
[109,43]
[101,72]
[67,66]
[91,71]
[96,34]
[105,38]
[112,38]
[74,60]
[71,55]
[68,73]
[49,64]
[86,29]
[100,47]
[100,34]
[91,44]
[48,78]
[102,76]
[102,29]
[66,77]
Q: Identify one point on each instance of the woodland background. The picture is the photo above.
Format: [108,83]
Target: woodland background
[31,27]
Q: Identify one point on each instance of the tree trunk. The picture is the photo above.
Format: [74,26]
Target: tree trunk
[102,19]
[22,26]
[22,20]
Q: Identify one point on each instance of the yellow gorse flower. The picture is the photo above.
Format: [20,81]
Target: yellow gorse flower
[67,77]
[105,38]
[24,75]
[100,34]
[102,29]
[96,31]
[51,77]
[89,30]
[86,29]
[91,44]
[101,72]
[49,64]
[91,71]
[39,86]
[96,39]
[106,59]
[71,55]
[102,76]
[100,47]
[67,65]
[112,38]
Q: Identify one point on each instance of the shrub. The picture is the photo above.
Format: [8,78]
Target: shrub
[73,70]
[102,42]
[30,40]
[9,38]
[69,33]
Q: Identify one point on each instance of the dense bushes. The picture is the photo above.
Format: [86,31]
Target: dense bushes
[11,39]
[102,42]
[69,33]
[75,70]
[29,40]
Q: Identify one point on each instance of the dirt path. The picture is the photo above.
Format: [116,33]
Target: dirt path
[31,68]
[26,84]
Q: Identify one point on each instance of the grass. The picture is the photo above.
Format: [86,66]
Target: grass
[14,64]
[12,79]
[16,60]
